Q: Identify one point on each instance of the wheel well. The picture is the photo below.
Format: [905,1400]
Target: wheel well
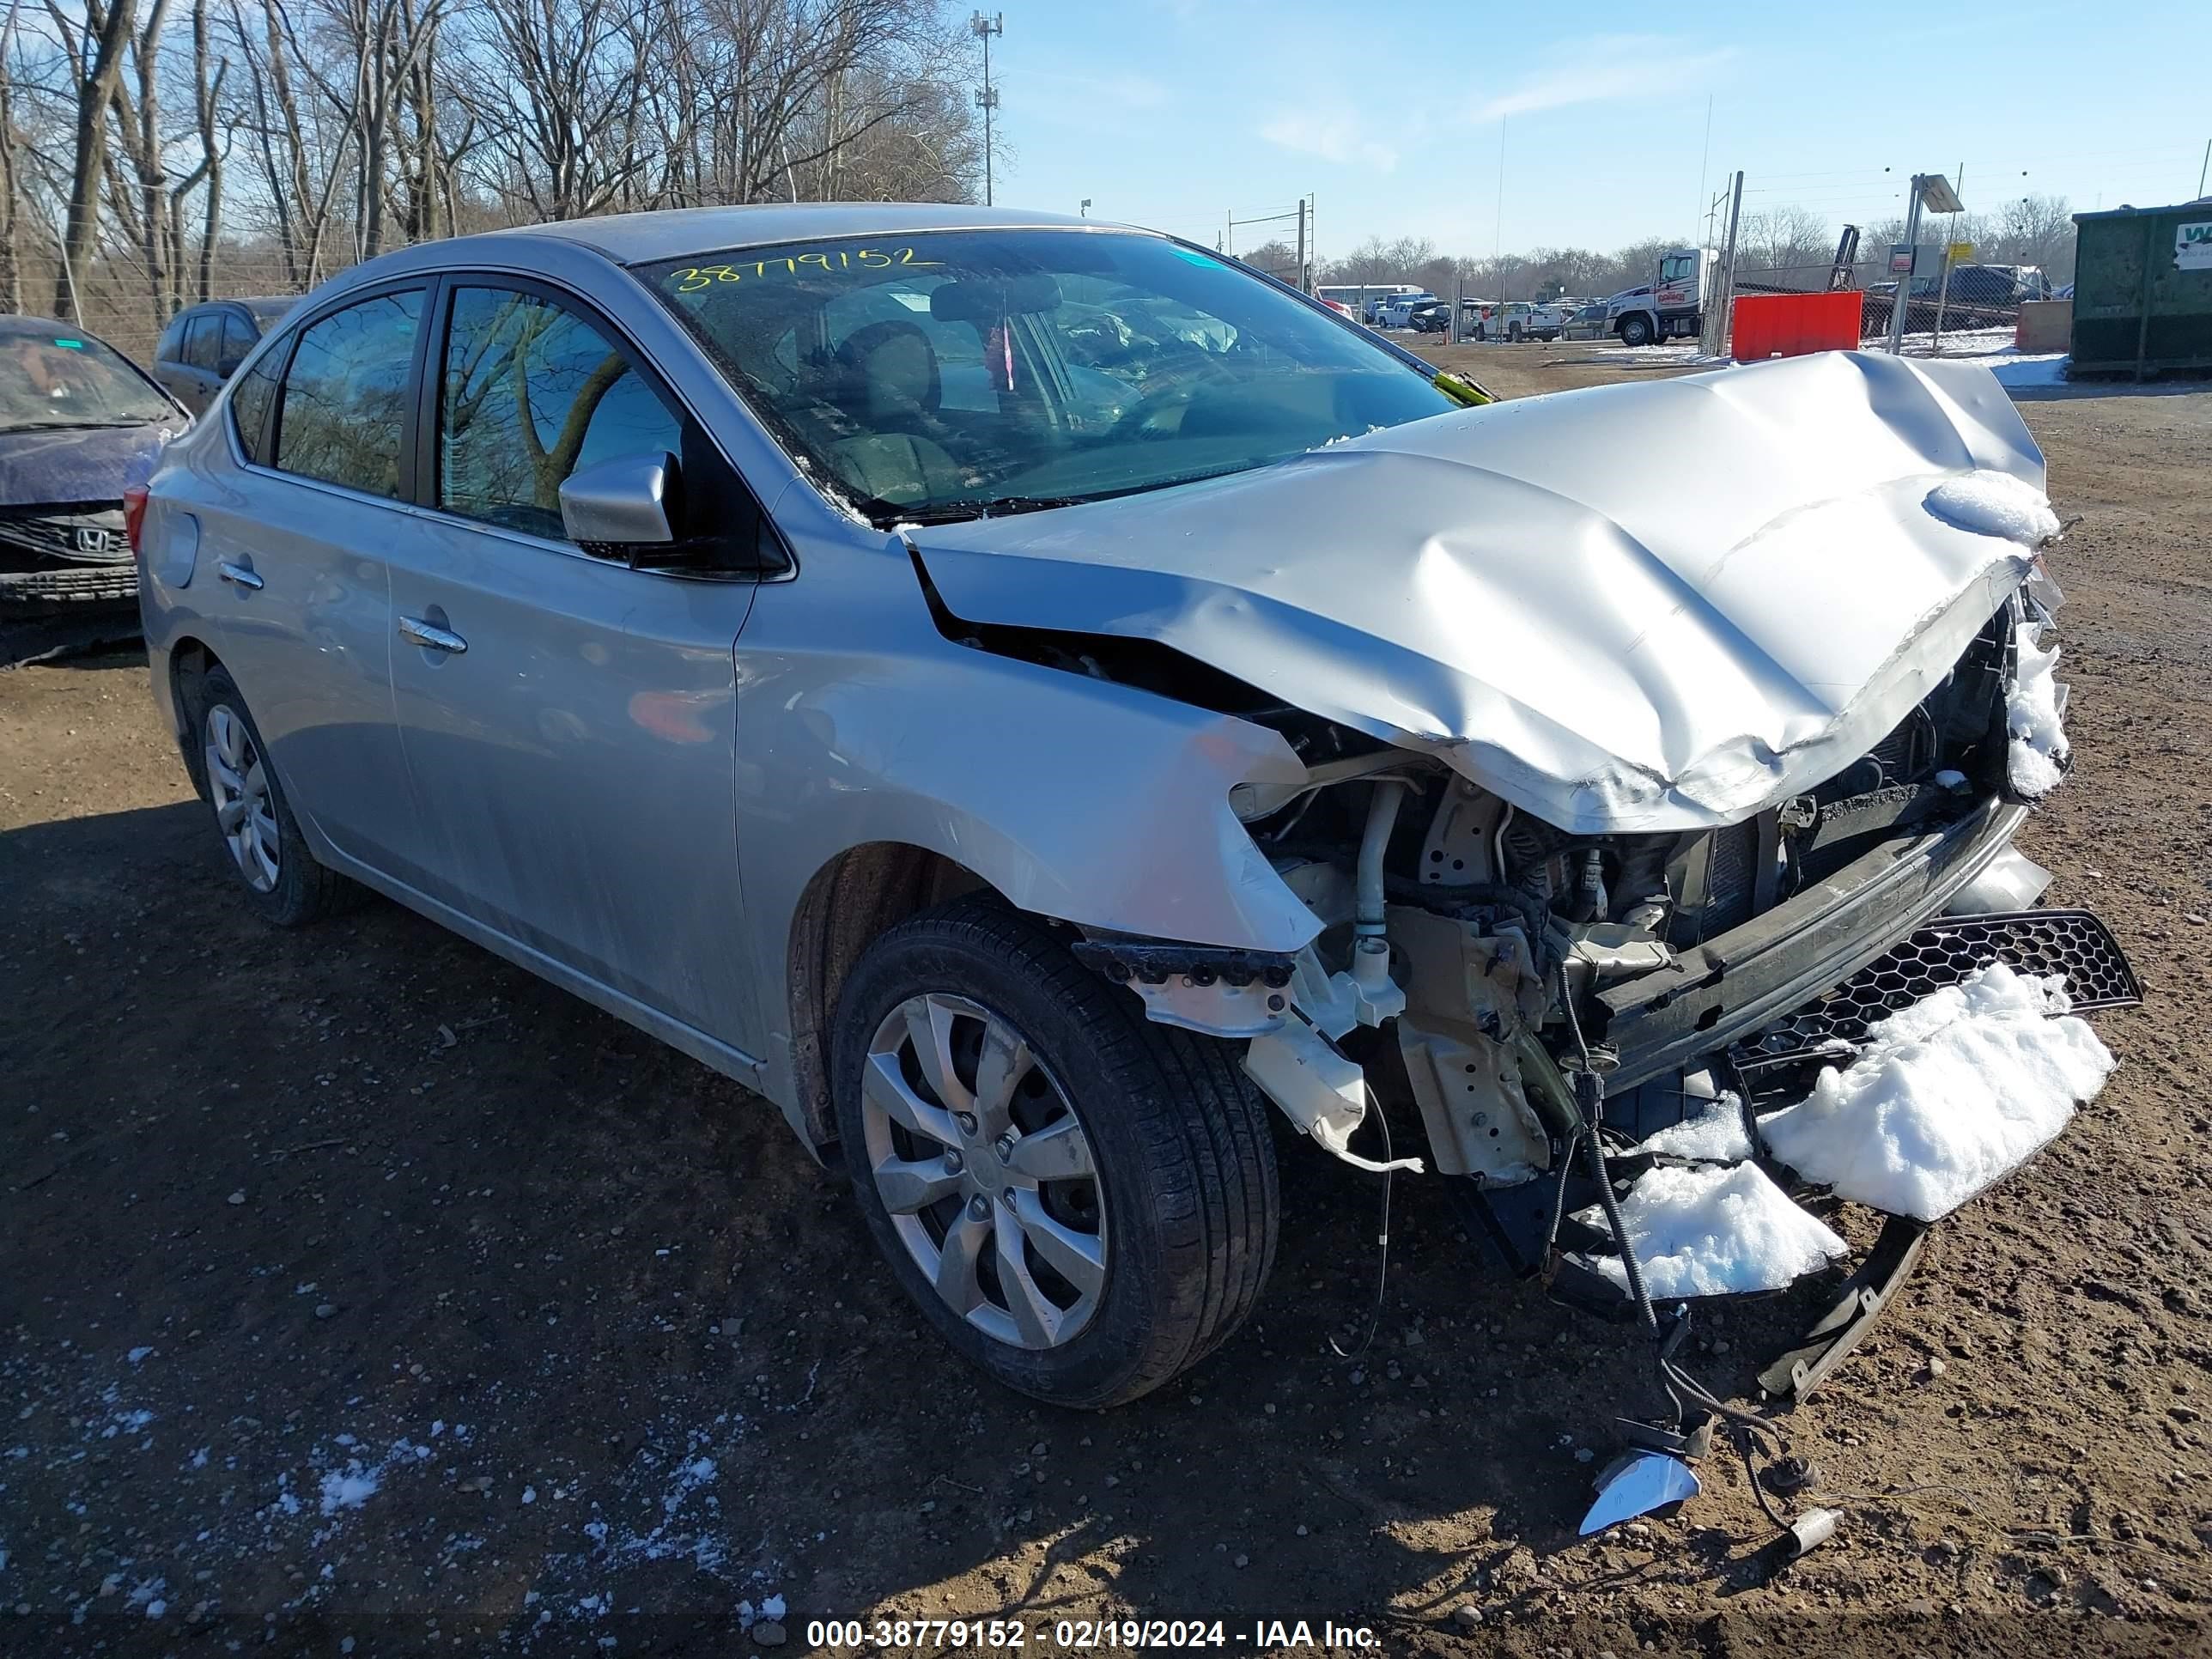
[851,901]
[189,662]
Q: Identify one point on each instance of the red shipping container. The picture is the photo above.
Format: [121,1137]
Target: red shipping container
[1791,324]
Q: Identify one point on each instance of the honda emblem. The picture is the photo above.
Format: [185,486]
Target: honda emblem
[91,539]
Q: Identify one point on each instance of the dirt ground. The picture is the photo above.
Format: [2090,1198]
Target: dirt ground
[360,1293]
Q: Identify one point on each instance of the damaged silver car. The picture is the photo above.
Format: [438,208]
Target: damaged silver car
[1034,698]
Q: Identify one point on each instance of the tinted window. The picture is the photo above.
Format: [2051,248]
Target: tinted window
[249,406]
[342,413]
[172,348]
[237,338]
[531,392]
[203,340]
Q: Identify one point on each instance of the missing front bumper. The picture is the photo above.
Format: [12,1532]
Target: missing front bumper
[1532,1227]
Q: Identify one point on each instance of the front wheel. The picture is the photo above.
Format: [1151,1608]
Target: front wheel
[1636,331]
[1079,1201]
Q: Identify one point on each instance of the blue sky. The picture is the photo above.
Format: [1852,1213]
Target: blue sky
[1173,113]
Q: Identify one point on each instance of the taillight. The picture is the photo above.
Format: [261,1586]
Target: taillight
[134,514]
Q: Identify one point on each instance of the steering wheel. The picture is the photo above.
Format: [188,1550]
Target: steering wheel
[1166,393]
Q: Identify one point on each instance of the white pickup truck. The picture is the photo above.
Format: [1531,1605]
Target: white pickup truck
[1520,320]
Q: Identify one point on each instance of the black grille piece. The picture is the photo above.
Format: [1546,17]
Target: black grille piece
[2075,943]
[53,533]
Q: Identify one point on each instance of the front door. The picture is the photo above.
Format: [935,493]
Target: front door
[569,722]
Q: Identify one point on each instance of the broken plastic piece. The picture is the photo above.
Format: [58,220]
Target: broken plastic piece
[1318,1089]
[1636,1483]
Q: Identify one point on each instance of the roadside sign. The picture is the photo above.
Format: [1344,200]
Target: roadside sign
[1900,258]
[1961,252]
[2192,247]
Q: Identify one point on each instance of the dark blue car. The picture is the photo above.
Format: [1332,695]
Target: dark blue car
[80,424]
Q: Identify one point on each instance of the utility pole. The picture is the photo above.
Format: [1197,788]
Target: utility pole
[2204,169]
[986,99]
[1304,287]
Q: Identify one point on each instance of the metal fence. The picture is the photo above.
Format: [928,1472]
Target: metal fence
[1959,303]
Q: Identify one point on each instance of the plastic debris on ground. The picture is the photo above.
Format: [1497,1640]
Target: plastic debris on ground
[1995,504]
[1715,1230]
[1716,1135]
[1947,1097]
[1636,1484]
[2034,705]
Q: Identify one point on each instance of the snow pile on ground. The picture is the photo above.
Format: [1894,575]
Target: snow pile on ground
[1946,1096]
[1995,504]
[2033,705]
[1715,1135]
[1715,1230]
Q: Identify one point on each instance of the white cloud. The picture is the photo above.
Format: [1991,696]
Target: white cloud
[1338,137]
[1612,69]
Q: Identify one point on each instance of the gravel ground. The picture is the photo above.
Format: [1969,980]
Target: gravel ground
[356,1287]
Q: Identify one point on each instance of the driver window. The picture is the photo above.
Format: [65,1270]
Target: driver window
[531,392]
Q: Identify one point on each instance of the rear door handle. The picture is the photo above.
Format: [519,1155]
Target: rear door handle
[242,574]
[429,634]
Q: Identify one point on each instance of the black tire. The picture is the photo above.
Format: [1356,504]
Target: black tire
[303,891]
[1185,1168]
[1636,331]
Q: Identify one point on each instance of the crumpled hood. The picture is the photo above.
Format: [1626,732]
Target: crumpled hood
[1646,607]
[94,465]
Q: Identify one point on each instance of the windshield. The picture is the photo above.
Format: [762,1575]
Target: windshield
[64,379]
[943,375]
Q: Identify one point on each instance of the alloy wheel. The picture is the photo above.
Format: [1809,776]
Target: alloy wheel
[985,1171]
[238,778]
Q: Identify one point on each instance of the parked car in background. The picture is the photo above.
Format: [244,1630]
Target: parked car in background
[1592,321]
[204,345]
[1435,317]
[1398,311]
[80,424]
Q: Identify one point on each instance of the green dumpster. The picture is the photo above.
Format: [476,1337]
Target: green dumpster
[2142,290]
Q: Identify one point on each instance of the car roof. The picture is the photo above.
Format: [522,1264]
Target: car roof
[642,238]
[12,323]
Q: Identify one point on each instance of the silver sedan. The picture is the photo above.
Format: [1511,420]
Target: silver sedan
[1031,697]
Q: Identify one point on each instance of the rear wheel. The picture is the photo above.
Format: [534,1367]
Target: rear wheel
[1080,1202]
[267,852]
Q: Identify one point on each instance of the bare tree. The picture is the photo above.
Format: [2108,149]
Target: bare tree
[95,59]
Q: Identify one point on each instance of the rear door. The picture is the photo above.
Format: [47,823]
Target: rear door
[569,724]
[291,572]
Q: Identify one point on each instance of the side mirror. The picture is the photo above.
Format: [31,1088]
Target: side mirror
[620,508]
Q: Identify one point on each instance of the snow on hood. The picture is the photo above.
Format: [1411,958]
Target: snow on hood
[1654,606]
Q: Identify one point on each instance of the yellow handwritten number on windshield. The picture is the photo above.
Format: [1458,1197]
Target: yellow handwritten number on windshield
[694,279]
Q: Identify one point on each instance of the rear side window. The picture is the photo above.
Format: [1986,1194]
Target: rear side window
[237,338]
[203,341]
[531,392]
[172,348]
[342,414]
[249,406]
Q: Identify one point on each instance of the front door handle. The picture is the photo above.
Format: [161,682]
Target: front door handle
[240,574]
[431,636]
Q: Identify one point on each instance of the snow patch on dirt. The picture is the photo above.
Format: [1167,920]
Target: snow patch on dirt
[1715,1230]
[1947,1097]
[2035,704]
[1995,504]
